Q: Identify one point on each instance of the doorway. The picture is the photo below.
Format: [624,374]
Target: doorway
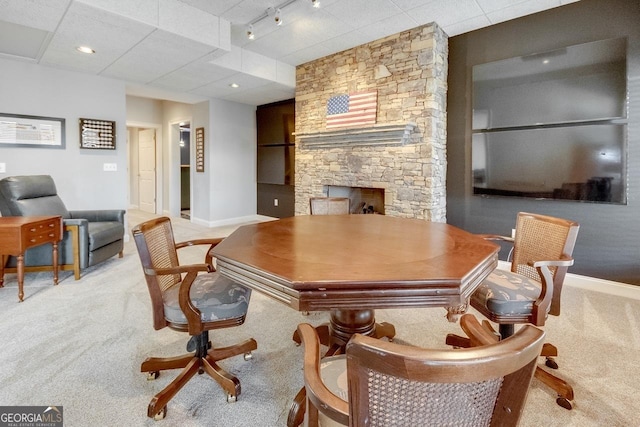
[184,129]
[145,166]
[147,170]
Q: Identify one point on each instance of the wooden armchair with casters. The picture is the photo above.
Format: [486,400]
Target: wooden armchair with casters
[541,254]
[381,383]
[192,299]
[329,205]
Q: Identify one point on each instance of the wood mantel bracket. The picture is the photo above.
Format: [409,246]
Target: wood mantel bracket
[401,134]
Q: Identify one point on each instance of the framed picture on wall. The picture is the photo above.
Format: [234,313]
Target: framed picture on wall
[97,134]
[19,130]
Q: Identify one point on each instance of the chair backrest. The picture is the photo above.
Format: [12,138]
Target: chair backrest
[30,195]
[398,385]
[329,205]
[541,237]
[156,248]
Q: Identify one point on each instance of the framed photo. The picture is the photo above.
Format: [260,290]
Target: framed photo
[18,130]
[97,134]
[199,149]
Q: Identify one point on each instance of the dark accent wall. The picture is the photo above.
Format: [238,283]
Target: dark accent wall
[608,244]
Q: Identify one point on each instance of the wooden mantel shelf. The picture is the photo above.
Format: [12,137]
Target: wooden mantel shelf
[372,135]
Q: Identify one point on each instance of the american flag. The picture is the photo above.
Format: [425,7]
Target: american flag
[355,109]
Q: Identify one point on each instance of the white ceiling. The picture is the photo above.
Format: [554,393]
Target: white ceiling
[191,50]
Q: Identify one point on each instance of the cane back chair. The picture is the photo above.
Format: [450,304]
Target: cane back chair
[381,383]
[530,291]
[193,299]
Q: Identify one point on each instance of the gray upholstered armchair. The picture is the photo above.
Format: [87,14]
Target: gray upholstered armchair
[90,236]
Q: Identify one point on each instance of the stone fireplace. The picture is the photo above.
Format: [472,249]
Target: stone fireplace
[403,154]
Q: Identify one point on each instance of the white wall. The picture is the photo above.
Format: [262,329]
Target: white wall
[31,89]
[224,194]
[232,159]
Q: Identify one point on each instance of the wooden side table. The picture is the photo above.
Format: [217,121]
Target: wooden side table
[19,233]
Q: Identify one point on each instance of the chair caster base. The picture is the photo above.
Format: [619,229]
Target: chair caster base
[160,415]
[565,403]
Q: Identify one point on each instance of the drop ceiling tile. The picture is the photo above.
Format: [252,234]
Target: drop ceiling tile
[466,26]
[146,11]
[391,25]
[446,13]
[20,41]
[192,76]
[189,22]
[521,9]
[158,54]
[40,14]
[108,34]
[367,11]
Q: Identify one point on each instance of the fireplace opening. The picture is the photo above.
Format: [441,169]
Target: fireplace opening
[363,200]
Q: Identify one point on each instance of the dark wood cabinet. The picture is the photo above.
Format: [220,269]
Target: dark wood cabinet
[276,158]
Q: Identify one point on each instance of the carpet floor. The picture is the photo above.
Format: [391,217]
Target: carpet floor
[79,345]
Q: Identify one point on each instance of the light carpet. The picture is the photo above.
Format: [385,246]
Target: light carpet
[80,344]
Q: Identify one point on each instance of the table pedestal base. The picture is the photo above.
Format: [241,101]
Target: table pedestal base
[335,335]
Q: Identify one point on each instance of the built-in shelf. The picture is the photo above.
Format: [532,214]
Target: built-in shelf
[373,135]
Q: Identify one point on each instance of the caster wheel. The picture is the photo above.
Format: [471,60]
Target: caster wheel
[152,375]
[160,415]
[551,363]
[565,403]
[231,398]
[248,356]
[200,371]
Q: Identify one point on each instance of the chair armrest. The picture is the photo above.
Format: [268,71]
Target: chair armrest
[542,304]
[496,237]
[317,391]
[191,312]
[100,215]
[208,259]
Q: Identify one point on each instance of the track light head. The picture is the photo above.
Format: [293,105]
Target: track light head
[315,3]
[278,17]
[250,34]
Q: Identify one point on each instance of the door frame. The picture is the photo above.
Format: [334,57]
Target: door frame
[159,169]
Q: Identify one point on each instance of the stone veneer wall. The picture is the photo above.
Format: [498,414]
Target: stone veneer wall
[409,72]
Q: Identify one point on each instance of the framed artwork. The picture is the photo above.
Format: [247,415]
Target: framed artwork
[199,149]
[97,134]
[18,130]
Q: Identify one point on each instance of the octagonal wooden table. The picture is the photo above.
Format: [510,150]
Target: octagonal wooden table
[351,265]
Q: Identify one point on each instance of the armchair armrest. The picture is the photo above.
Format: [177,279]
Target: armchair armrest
[317,391]
[99,215]
[541,305]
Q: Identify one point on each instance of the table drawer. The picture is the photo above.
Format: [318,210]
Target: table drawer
[43,231]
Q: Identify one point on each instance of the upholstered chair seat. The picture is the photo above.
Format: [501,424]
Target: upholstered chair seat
[505,292]
[217,298]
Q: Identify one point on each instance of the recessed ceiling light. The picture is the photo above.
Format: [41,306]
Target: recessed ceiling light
[234,85]
[85,49]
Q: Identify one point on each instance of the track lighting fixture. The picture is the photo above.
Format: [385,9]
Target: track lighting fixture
[315,3]
[276,13]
